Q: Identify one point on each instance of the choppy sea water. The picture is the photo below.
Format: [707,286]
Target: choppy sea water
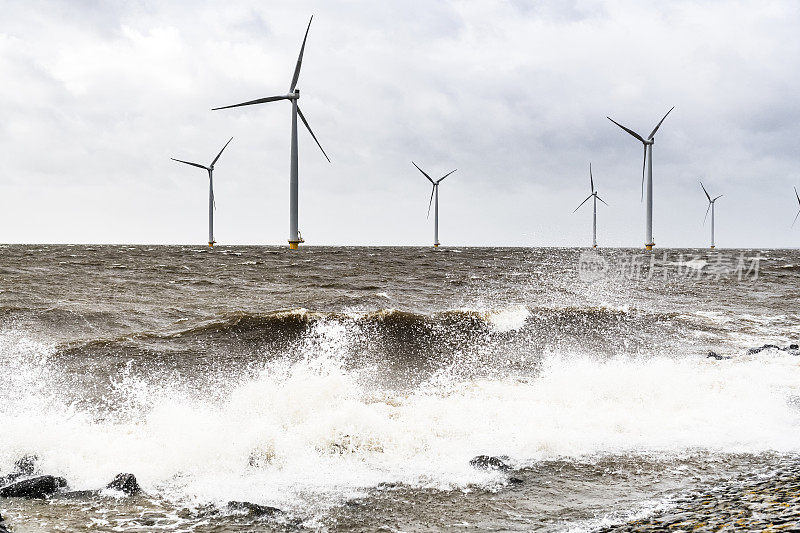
[350,387]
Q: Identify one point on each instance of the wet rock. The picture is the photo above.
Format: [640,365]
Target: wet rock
[749,503]
[488,462]
[254,509]
[752,351]
[35,487]
[125,483]
[718,357]
[515,481]
[792,349]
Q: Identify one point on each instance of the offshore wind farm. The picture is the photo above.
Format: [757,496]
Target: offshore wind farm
[490,366]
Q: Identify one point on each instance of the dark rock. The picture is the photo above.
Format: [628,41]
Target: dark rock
[35,487]
[793,349]
[515,481]
[254,509]
[3,526]
[718,357]
[752,351]
[487,462]
[125,483]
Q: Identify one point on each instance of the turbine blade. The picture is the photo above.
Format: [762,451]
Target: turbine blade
[300,58]
[797,195]
[652,133]
[252,102]
[424,173]
[433,190]
[220,152]
[443,177]
[602,200]
[626,129]
[795,218]
[705,191]
[644,164]
[303,118]
[707,210]
[198,165]
[583,202]
[718,197]
[591,179]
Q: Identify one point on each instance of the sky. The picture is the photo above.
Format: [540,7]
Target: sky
[97,96]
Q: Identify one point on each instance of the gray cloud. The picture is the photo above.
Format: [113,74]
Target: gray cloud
[97,96]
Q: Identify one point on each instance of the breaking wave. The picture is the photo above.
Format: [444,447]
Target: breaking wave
[307,433]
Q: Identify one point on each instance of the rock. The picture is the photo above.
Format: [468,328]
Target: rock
[793,349]
[487,462]
[35,487]
[3,528]
[125,483]
[718,357]
[752,351]
[254,509]
[515,481]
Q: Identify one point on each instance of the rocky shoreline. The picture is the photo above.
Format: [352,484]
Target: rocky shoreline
[752,503]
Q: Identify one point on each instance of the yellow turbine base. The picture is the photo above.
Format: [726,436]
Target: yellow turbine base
[294,245]
[649,246]
[712,247]
[211,245]
[436,245]
[595,246]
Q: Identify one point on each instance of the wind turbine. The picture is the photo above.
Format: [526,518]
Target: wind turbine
[648,163]
[711,203]
[798,201]
[594,214]
[434,192]
[211,203]
[293,96]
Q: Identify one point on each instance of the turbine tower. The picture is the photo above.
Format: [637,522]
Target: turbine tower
[434,192]
[293,96]
[711,203]
[798,201]
[647,164]
[211,203]
[594,213]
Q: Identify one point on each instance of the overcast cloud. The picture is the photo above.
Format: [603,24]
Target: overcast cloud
[97,96]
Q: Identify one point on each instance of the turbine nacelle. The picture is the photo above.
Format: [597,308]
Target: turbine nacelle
[649,141]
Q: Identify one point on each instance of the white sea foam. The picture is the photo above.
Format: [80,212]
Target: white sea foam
[307,434]
[509,318]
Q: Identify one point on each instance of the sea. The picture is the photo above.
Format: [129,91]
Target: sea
[351,388]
